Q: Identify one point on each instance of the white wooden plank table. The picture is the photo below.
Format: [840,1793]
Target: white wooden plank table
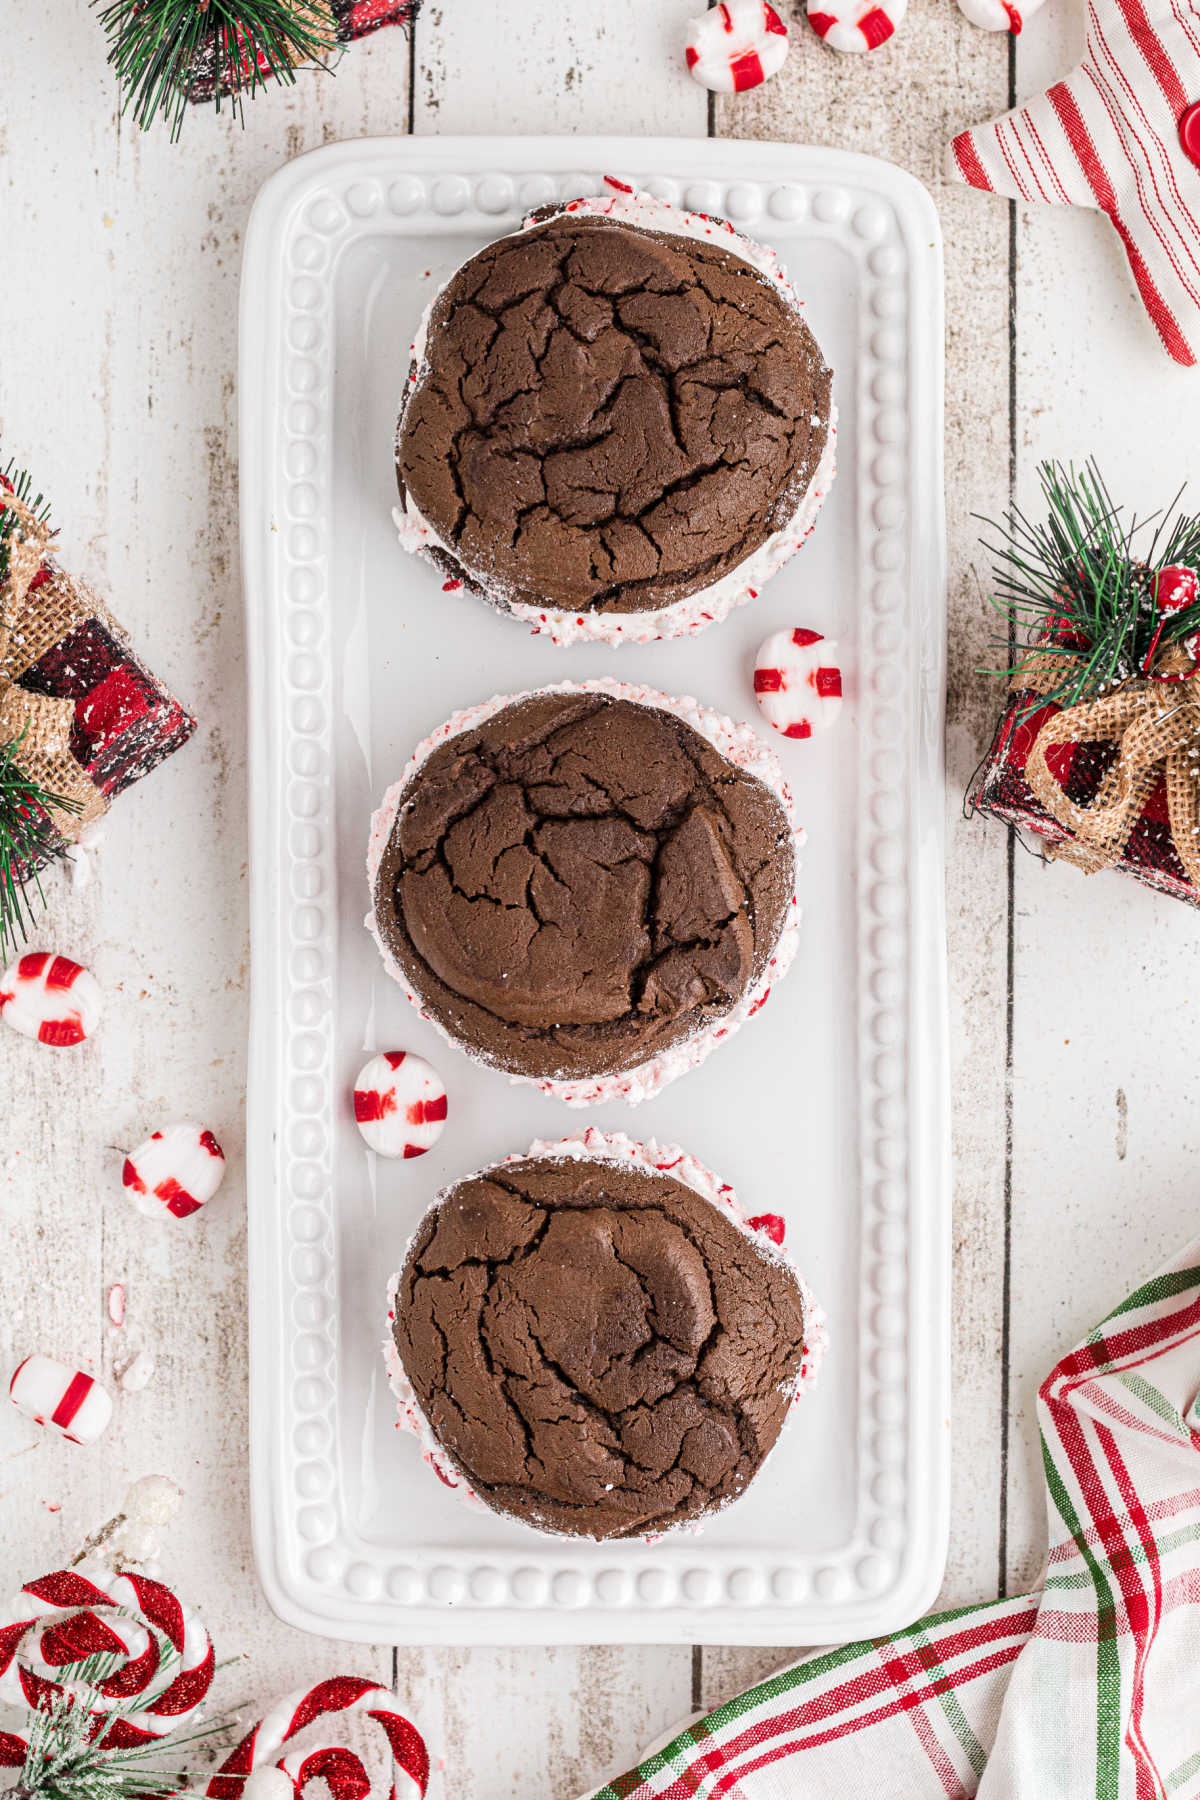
[1074,1139]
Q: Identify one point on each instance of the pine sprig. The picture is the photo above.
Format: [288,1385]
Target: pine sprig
[165,52]
[28,837]
[28,840]
[1082,583]
[70,1757]
[16,481]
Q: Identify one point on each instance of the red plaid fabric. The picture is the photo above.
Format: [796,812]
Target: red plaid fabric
[1086,1690]
[126,721]
[1001,791]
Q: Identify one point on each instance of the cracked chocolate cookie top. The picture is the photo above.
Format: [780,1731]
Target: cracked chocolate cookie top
[579,882]
[609,418]
[599,1349]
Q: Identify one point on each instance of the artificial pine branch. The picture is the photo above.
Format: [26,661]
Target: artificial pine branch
[70,1756]
[18,482]
[28,839]
[163,51]
[1083,583]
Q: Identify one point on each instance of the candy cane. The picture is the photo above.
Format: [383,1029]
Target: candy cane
[64,1618]
[339,1766]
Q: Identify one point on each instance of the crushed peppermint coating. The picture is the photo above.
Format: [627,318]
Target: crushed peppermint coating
[645,431]
[593,1338]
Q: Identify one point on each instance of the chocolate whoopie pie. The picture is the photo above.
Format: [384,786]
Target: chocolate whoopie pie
[580,888]
[593,1345]
[610,416]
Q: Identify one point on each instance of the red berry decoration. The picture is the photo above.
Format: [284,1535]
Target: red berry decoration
[1175,587]
[770,1224]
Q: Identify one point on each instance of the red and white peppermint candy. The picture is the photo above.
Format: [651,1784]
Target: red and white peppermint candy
[736,45]
[859,25]
[400,1104]
[999,15]
[770,1224]
[67,1400]
[341,1768]
[164,1667]
[50,998]
[797,683]
[176,1171]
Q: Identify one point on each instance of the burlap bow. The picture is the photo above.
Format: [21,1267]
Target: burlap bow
[1155,723]
[30,623]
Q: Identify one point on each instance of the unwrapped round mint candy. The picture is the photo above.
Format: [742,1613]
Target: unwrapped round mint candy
[797,683]
[175,1171]
[50,998]
[736,45]
[400,1104]
[67,1400]
[999,15]
[861,25]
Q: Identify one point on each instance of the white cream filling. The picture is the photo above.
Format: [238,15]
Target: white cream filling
[649,1158]
[687,616]
[739,745]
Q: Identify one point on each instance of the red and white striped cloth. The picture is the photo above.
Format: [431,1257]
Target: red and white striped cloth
[1089,1688]
[1108,136]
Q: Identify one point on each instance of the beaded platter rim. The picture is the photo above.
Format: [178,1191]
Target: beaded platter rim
[317,1571]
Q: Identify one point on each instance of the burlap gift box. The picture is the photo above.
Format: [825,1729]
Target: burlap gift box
[1084,772]
[88,716]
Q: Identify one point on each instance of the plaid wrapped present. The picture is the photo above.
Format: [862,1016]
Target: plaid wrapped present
[1080,771]
[89,716]
[1086,1690]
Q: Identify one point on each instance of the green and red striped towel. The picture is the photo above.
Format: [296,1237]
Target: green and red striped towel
[1087,1690]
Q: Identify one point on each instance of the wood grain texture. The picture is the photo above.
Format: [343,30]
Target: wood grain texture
[126,256]
[903,103]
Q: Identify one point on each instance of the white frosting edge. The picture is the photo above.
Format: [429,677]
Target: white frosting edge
[738,744]
[683,618]
[650,1158]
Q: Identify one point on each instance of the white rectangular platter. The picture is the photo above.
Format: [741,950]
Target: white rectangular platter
[830,1108]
